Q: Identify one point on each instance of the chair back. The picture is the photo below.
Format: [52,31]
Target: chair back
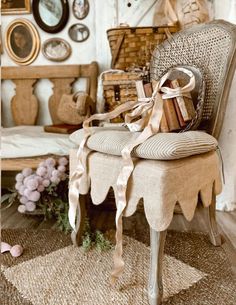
[211,48]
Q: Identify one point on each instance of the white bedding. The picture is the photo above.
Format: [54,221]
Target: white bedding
[31,141]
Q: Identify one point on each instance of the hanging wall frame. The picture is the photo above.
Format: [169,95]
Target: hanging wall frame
[51,16]
[15,7]
[80,8]
[56,49]
[22,41]
[79,32]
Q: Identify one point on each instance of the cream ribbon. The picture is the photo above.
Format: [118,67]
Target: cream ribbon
[150,110]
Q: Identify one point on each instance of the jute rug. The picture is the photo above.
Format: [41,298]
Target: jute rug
[53,272]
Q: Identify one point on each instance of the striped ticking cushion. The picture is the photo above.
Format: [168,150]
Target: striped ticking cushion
[162,146]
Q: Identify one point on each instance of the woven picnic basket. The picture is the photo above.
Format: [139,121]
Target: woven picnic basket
[118,88]
[133,46]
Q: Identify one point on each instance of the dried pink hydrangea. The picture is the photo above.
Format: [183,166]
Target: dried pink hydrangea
[50,162]
[30,206]
[21,208]
[31,184]
[23,200]
[63,161]
[19,177]
[27,171]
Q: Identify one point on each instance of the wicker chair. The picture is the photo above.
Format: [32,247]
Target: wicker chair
[211,48]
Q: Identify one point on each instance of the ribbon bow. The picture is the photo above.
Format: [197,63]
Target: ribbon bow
[150,110]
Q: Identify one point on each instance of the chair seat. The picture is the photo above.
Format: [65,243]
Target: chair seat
[162,146]
[166,183]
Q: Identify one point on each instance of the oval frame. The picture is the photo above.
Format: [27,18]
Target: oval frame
[35,41]
[68,46]
[47,28]
[74,25]
[86,12]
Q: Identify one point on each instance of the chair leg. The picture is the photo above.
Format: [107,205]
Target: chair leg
[81,213]
[213,230]
[155,286]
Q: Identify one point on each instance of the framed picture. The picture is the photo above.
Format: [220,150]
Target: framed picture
[79,32]
[51,15]
[22,41]
[80,8]
[10,7]
[56,49]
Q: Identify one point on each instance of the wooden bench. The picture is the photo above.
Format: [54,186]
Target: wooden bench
[25,105]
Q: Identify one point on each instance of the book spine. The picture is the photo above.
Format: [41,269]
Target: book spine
[171,116]
[164,126]
[182,123]
[148,89]
[185,103]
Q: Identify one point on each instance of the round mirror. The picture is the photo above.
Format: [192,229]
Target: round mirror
[50,12]
[51,15]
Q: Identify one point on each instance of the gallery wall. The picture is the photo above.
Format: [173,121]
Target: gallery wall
[102,16]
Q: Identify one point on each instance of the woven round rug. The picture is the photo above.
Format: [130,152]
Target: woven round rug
[52,271]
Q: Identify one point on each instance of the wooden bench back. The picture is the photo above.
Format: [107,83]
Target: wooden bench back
[25,105]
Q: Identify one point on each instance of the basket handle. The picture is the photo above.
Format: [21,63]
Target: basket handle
[117,49]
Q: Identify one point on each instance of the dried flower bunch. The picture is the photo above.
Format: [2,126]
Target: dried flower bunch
[31,185]
[43,191]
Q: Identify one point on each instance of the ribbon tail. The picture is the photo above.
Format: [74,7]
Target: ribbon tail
[75,181]
[82,158]
[122,181]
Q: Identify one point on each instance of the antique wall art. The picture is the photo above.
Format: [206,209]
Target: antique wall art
[56,49]
[79,32]
[9,7]
[51,15]
[80,8]
[22,41]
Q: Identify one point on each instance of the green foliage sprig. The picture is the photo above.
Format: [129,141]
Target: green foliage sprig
[94,239]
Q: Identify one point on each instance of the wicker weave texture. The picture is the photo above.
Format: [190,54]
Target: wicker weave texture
[206,47]
[133,46]
[119,88]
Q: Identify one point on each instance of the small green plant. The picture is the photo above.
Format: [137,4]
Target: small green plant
[94,239]
[102,244]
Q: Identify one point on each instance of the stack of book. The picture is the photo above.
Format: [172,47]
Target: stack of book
[177,112]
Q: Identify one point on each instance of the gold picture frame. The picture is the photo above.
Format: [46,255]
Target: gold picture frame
[15,7]
[22,41]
